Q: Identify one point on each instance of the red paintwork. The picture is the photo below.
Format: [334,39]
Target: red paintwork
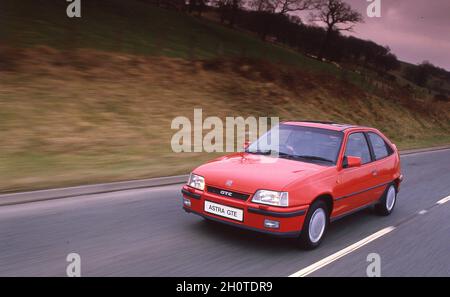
[305,182]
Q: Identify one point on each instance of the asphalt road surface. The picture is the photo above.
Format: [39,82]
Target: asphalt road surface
[146,233]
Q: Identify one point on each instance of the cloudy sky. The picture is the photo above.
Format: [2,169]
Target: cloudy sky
[415,30]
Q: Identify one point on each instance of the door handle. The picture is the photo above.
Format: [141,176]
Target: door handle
[375,172]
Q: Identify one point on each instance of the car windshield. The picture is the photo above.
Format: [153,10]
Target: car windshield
[300,143]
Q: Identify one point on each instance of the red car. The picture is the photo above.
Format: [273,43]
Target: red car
[319,172]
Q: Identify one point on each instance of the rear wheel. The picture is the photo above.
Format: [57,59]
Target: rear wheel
[315,225]
[387,202]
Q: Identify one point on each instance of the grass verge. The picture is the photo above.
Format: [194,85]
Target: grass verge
[102,116]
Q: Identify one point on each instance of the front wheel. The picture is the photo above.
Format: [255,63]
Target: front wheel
[315,225]
[387,202]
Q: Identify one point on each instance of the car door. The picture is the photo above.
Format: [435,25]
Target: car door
[355,185]
[385,165]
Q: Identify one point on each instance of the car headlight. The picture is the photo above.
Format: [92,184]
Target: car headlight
[196,181]
[271,198]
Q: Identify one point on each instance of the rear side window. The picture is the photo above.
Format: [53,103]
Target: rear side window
[380,148]
[357,147]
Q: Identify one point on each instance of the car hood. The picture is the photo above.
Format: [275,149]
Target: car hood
[249,172]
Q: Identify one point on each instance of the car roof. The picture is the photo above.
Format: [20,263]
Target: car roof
[325,125]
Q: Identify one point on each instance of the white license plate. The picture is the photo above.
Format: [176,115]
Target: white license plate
[224,211]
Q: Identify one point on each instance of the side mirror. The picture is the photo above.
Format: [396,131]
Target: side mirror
[246,144]
[352,162]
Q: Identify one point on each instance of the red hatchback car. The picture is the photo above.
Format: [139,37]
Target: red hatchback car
[319,172]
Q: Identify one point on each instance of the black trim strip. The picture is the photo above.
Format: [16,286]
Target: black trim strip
[363,191]
[277,214]
[192,195]
[369,143]
[277,234]
[333,219]
[234,194]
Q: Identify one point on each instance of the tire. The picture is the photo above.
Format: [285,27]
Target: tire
[318,216]
[387,202]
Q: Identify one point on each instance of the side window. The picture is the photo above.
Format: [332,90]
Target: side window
[357,147]
[380,149]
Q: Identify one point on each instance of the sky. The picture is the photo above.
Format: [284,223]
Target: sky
[415,30]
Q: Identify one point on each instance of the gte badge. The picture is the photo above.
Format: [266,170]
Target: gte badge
[226,193]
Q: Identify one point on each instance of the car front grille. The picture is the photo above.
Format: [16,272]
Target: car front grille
[227,193]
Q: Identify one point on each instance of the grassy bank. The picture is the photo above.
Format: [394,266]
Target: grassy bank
[133,27]
[103,116]
[91,100]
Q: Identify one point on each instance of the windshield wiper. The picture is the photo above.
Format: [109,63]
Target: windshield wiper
[289,156]
[314,158]
[265,152]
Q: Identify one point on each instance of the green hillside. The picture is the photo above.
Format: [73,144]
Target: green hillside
[136,28]
[92,99]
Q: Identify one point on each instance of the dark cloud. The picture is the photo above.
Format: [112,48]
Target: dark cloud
[415,30]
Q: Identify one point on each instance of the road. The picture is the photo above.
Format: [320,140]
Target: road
[146,233]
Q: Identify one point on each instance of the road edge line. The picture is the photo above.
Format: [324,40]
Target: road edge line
[59,193]
[424,150]
[443,200]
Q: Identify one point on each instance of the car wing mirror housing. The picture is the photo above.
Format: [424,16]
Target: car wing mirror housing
[247,144]
[352,162]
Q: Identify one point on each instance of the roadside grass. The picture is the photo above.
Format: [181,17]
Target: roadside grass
[91,100]
[70,123]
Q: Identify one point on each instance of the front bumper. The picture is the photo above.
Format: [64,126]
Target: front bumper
[290,219]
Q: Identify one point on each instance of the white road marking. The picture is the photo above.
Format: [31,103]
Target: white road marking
[330,259]
[324,262]
[445,200]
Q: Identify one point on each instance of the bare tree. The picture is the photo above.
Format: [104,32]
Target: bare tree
[272,11]
[196,5]
[287,6]
[228,9]
[337,16]
[282,6]
[235,7]
[262,5]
